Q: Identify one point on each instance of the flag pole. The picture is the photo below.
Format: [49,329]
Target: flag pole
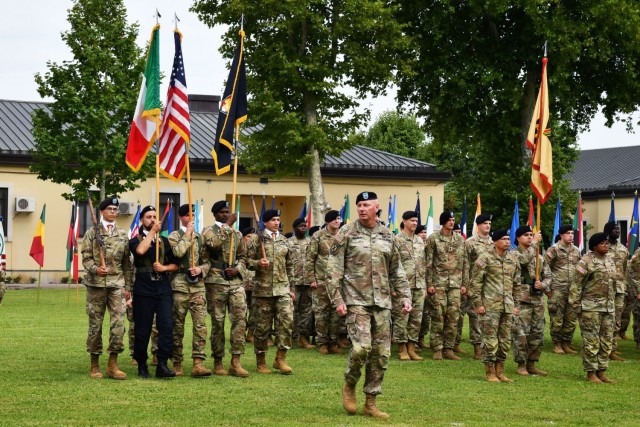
[38,292]
[258,232]
[234,191]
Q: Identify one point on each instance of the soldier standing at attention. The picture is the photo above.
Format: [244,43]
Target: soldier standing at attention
[562,259]
[447,273]
[247,284]
[273,294]
[365,267]
[303,312]
[106,286]
[619,255]
[152,294]
[425,326]
[633,281]
[475,246]
[495,287]
[315,269]
[406,327]
[592,294]
[225,290]
[188,293]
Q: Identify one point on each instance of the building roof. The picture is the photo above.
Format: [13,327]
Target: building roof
[16,142]
[599,172]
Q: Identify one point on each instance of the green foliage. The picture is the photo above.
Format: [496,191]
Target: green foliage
[81,141]
[396,133]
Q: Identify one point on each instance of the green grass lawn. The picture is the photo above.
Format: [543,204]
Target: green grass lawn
[44,381]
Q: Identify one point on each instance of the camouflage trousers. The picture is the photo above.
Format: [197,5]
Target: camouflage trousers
[619,305]
[425,325]
[466,307]
[303,312]
[445,312]
[527,333]
[3,289]
[327,320]
[495,329]
[220,300]
[636,321]
[195,304]
[369,330]
[563,317]
[98,300]
[406,327]
[131,334]
[629,306]
[277,311]
[597,339]
[250,320]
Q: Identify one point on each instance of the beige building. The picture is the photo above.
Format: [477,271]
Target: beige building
[22,195]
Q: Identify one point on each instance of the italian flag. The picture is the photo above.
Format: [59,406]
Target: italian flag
[37,245]
[146,120]
[429,225]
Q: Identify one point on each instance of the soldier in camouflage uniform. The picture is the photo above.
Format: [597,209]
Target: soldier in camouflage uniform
[592,294]
[633,281]
[365,268]
[225,290]
[406,327]
[247,284]
[495,286]
[269,255]
[189,293]
[562,259]
[303,312]
[425,326]
[106,286]
[619,255]
[447,275]
[475,246]
[527,331]
[317,256]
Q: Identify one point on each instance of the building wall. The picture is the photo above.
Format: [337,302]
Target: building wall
[596,214]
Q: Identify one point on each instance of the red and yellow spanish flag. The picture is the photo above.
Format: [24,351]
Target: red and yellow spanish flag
[538,142]
[37,245]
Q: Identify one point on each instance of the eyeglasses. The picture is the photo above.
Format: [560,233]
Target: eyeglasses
[112,209]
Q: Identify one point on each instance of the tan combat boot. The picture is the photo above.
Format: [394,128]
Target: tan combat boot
[334,348]
[500,373]
[477,352]
[198,369]
[522,370]
[402,352]
[372,410]
[112,368]
[154,360]
[490,372]
[449,354]
[280,362]
[218,367]
[249,338]
[421,343]
[177,368]
[602,377]
[567,348]
[261,364]
[349,402]
[531,368]
[324,349]
[303,343]
[437,355]
[95,366]
[411,350]
[571,346]
[592,378]
[457,349]
[344,342]
[614,356]
[557,348]
[236,369]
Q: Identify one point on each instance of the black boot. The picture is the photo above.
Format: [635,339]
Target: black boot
[163,371]
[143,370]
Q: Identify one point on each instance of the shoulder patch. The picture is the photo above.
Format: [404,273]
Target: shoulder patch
[338,237]
[334,249]
[581,270]
[480,262]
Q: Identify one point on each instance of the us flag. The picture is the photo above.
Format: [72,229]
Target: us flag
[175,135]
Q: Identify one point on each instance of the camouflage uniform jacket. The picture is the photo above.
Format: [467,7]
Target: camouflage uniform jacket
[446,263]
[633,272]
[593,288]
[475,246]
[181,247]
[217,240]
[274,280]
[317,257]
[413,258]
[299,249]
[562,260]
[116,256]
[365,266]
[619,254]
[495,284]
[527,260]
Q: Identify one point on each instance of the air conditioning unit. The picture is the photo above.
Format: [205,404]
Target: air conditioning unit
[25,204]
[127,208]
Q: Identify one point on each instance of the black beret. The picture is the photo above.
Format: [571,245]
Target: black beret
[247,231]
[269,214]
[597,239]
[313,229]
[609,226]
[445,216]
[499,234]
[184,210]
[523,229]
[419,229]
[146,209]
[219,205]
[299,221]
[109,201]
[483,218]
[410,214]
[289,234]
[565,228]
[331,216]
[366,195]
[557,239]
[379,213]
[456,226]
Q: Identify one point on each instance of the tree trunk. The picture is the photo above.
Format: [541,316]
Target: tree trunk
[103,184]
[315,177]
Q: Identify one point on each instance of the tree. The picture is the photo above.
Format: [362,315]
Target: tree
[398,134]
[476,72]
[300,56]
[82,140]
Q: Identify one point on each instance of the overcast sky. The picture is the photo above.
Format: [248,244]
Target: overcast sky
[30,36]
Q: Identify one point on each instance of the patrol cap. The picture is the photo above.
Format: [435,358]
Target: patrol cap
[565,228]
[483,218]
[268,215]
[597,239]
[366,195]
[247,231]
[499,234]
[219,205]
[445,216]
[313,230]
[419,229]
[184,210]
[299,221]
[331,216]
[608,227]
[146,209]
[523,229]
[109,201]
[409,215]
